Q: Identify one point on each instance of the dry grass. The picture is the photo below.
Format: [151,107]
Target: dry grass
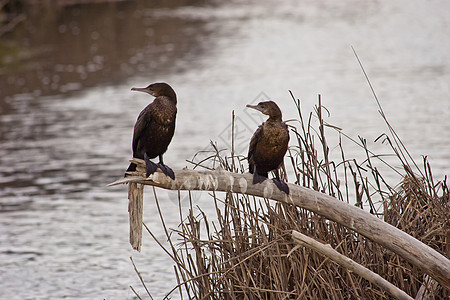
[246,250]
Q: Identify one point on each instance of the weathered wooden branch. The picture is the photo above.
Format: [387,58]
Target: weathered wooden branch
[136,212]
[328,251]
[414,251]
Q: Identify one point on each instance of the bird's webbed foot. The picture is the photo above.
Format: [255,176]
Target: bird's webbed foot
[281,185]
[258,178]
[166,170]
[150,167]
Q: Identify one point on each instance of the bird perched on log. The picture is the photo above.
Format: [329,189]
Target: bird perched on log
[268,145]
[155,127]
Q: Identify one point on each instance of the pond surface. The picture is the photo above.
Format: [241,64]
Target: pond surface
[67,113]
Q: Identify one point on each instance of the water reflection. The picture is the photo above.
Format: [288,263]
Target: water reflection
[62,49]
[69,48]
[66,117]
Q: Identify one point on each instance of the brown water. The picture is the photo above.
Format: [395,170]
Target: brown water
[67,113]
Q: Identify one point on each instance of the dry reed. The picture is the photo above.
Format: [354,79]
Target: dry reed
[246,250]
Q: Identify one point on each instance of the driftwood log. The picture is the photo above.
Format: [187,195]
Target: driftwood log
[136,213]
[328,251]
[427,259]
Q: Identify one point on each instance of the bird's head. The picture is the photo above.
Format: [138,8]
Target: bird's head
[158,89]
[269,108]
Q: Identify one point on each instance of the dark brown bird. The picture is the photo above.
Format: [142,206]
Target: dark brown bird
[155,127]
[268,145]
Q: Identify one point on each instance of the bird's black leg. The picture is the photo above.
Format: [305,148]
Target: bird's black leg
[150,166]
[258,178]
[280,183]
[165,169]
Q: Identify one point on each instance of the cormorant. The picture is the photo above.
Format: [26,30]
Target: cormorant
[268,145]
[155,127]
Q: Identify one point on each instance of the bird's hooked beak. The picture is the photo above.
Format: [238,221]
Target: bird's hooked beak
[259,108]
[144,90]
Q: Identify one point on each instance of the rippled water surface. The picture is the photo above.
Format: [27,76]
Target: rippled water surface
[67,113]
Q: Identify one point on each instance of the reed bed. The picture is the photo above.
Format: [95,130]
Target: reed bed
[245,251]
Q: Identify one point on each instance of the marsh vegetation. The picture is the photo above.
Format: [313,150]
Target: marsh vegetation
[246,250]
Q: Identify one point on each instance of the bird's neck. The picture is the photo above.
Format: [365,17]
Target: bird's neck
[166,99]
[172,96]
[275,118]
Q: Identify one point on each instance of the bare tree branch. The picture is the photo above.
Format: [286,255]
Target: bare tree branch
[348,263]
[390,237]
